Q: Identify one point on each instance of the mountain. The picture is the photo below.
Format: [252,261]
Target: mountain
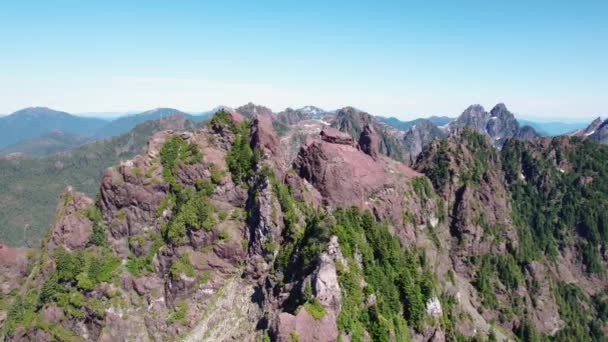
[552,128]
[292,116]
[251,110]
[211,235]
[405,125]
[422,133]
[29,186]
[126,123]
[499,124]
[597,130]
[47,143]
[32,122]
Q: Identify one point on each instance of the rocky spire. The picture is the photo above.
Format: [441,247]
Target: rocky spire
[369,142]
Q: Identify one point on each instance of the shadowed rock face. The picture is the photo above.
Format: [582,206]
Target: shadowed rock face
[419,136]
[368,142]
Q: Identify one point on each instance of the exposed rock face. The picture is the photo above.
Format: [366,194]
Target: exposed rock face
[292,116]
[597,131]
[303,327]
[527,133]
[502,123]
[499,124]
[72,229]
[353,121]
[601,133]
[334,136]
[419,136]
[325,278]
[345,176]
[263,136]
[478,203]
[13,266]
[589,130]
[368,142]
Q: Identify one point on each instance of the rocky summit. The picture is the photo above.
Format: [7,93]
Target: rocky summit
[234,232]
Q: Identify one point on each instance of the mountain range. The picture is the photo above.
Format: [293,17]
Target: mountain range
[336,229]
[39,131]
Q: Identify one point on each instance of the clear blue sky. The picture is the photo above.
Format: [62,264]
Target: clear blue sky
[544,59]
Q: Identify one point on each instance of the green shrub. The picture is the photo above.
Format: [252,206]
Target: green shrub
[241,159]
[222,118]
[216,174]
[315,309]
[179,314]
[143,264]
[182,266]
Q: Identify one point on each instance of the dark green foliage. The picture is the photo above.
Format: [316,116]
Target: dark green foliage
[440,173]
[241,159]
[204,186]
[222,118]
[551,205]
[21,313]
[174,150]
[574,309]
[181,308]
[216,174]
[422,187]
[182,266]
[491,266]
[143,264]
[193,211]
[392,274]
[98,238]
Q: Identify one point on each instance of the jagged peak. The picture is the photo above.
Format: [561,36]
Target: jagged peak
[499,109]
[474,108]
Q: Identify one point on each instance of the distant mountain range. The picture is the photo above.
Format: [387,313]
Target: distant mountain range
[553,128]
[32,122]
[40,131]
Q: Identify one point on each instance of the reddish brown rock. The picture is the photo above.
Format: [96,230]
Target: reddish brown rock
[335,136]
[13,267]
[305,327]
[72,229]
[262,134]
